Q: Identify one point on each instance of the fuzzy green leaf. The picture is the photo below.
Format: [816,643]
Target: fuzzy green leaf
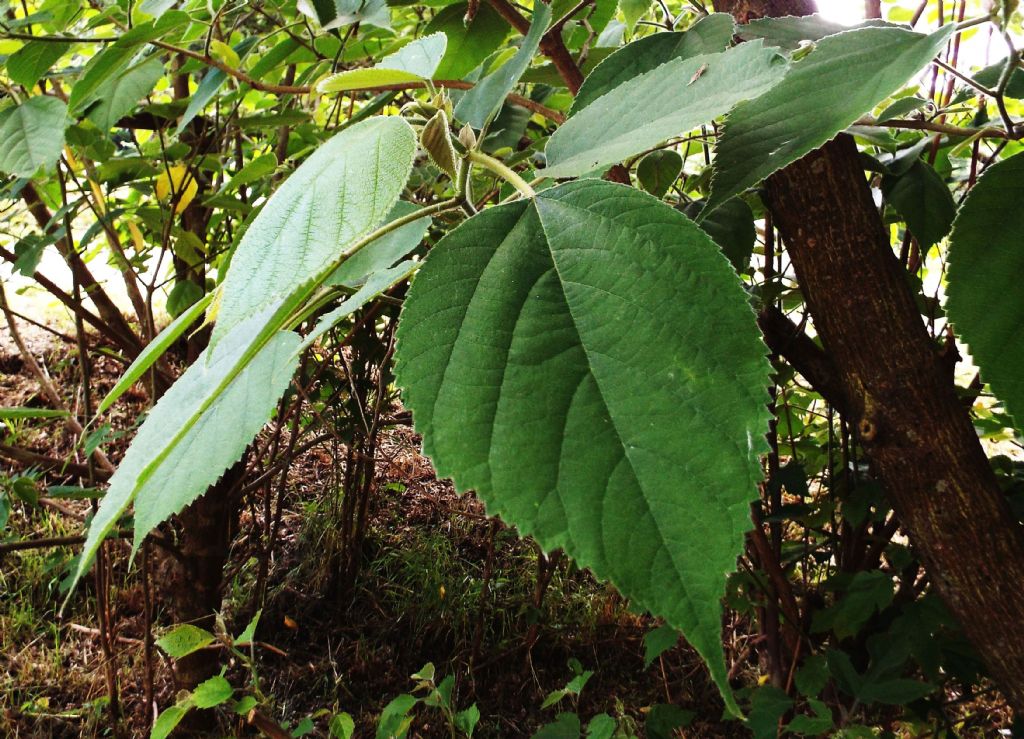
[32,134]
[665,102]
[588,363]
[197,430]
[709,35]
[336,196]
[789,31]
[420,57]
[366,79]
[154,350]
[843,78]
[985,264]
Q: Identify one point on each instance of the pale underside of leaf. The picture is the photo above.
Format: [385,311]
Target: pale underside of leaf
[844,77]
[420,57]
[588,363]
[363,79]
[336,196]
[196,431]
[665,102]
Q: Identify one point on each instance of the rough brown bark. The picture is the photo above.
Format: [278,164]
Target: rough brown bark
[916,433]
[208,525]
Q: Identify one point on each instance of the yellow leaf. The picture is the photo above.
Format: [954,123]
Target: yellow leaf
[224,53]
[98,194]
[140,243]
[176,183]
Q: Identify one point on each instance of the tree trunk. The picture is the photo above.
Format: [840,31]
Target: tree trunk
[208,525]
[915,431]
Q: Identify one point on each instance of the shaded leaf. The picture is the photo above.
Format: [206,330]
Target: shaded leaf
[478,104]
[468,45]
[985,264]
[664,719]
[901,108]
[731,226]
[658,170]
[924,201]
[768,705]
[565,726]
[557,358]
[659,641]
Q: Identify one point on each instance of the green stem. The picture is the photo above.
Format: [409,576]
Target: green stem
[504,172]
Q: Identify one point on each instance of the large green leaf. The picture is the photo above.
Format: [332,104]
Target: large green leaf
[118,95]
[843,78]
[478,105]
[468,45]
[788,32]
[198,429]
[985,264]
[28,64]
[709,35]
[32,134]
[588,362]
[336,196]
[665,102]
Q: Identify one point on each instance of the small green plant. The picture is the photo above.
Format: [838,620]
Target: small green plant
[396,718]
